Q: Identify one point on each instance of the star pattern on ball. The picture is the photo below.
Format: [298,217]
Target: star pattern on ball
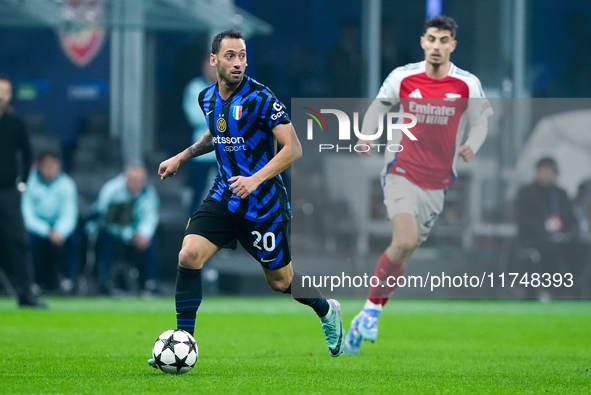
[158,360]
[170,343]
[181,363]
[192,345]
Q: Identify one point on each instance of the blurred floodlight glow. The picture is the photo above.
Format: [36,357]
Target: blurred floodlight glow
[434,8]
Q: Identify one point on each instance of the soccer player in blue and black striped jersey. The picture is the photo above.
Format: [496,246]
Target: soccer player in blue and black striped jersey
[254,142]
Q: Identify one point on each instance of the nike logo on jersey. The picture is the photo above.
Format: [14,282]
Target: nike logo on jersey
[209,112]
[267,260]
[416,94]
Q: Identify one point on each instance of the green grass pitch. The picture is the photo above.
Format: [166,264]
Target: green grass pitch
[275,345]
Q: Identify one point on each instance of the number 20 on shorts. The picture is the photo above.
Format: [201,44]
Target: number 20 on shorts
[268,240]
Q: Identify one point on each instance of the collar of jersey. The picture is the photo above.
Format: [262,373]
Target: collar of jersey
[238,89]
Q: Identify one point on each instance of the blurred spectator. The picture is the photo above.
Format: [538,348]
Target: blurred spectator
[345,59]
[583,214]
[547,228]
[15,150]
[583,208]
[50,211]
[202,167]
[126,217]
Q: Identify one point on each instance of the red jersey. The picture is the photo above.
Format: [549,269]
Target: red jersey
[443,107]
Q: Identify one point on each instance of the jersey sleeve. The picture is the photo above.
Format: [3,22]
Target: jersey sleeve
[273,112]
[201,100]
[389,93]
[388,96]
[478,110]
[478,105]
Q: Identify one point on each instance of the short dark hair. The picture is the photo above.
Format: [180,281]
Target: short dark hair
[217,40]
[442,22]
[49,153]
[547,161]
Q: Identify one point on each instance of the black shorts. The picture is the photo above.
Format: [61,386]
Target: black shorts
[267,242]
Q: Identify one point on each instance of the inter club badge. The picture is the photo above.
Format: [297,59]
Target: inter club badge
[221,125]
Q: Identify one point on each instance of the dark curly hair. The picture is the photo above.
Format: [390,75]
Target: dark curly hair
[441,22]
[217,40]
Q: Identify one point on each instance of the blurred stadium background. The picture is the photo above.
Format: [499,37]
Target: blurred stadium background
[118,98]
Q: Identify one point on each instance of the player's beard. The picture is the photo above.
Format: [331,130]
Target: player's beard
[227,78]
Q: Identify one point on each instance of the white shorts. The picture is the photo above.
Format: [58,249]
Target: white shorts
[402,196]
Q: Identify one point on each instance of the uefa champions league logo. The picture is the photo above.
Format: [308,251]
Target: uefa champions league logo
[394,121]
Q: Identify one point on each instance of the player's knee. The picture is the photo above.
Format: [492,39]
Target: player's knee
[279,285]
[404,245]
[190,258]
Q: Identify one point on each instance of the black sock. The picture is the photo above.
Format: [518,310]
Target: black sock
[310,296]
[188,295]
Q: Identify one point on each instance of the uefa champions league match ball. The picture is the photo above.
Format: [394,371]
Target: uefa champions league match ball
[175,352]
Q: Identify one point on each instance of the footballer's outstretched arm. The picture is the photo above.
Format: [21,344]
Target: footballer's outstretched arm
[371,122]
[169,167]
[291,151]
[476,136]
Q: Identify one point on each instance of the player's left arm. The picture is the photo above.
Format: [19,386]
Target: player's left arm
[478,111]
[476,137]
[285,134]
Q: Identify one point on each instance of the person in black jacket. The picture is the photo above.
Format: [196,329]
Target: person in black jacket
[15,162]
[547,227]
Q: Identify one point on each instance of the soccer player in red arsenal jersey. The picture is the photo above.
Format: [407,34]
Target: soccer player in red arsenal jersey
[444,99]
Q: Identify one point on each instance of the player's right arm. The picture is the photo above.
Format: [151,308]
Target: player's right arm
[170,166]
[387,97]
[291,151]
[478,111]
[371,120]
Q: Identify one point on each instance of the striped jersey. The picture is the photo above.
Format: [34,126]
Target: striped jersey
[241,128]
[443,107]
